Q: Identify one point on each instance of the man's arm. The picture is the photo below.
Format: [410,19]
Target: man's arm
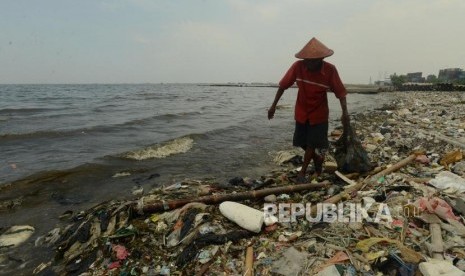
[287,81]
[345,114]
[338,88]
[272,109]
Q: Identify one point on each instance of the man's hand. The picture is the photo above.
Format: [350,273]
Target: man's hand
[272,109]
[271,112]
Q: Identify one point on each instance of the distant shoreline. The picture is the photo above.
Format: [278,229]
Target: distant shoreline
[351,88]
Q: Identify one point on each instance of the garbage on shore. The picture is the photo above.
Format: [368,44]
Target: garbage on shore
[415,191]
[15,235]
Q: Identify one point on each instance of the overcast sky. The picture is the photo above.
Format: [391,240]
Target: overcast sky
[134,41]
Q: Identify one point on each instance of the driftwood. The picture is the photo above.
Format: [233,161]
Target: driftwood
[372,180]
[158,206]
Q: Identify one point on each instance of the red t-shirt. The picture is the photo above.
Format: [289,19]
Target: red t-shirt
[312,102]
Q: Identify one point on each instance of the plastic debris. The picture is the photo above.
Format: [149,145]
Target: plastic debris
[291,262]
[449,183]
[350,154]
[329,271]
[246,217]
[437,206]
[15,236]
[270,198]
[451,157]
[437,268]
[121,252]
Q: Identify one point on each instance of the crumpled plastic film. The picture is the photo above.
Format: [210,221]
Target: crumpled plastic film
[350,154]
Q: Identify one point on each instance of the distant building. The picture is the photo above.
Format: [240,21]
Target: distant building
[385,82]
[451,75]
[431,78]
[415,77]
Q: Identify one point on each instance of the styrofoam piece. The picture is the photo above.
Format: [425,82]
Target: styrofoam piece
[244,216]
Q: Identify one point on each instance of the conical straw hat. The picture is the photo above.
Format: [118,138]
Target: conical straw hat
[314,49]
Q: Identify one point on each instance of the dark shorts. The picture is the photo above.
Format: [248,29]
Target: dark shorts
[313,136]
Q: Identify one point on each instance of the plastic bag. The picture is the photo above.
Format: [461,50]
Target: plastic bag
[350,154]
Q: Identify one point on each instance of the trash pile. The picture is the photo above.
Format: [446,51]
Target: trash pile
[408,216]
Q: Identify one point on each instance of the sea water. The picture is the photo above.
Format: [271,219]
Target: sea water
[59,127]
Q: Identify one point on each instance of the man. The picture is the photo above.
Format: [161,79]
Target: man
[314,78]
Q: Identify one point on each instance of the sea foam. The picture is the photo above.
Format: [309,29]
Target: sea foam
[176,146]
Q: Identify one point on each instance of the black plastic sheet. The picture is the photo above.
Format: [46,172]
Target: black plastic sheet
[350,154]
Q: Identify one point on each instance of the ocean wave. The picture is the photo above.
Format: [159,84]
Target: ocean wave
[40,134]
[92,129]
[175,115]
[171,147]
[26,110]
[156,96]
[104,108]
[158,117]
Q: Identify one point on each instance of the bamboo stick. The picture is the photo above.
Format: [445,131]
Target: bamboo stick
[249,262]
[393,168]
[158,206]
[345,179]
[335,199]
[448,140]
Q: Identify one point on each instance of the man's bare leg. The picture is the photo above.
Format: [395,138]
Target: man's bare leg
[318,160]
[309,153]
